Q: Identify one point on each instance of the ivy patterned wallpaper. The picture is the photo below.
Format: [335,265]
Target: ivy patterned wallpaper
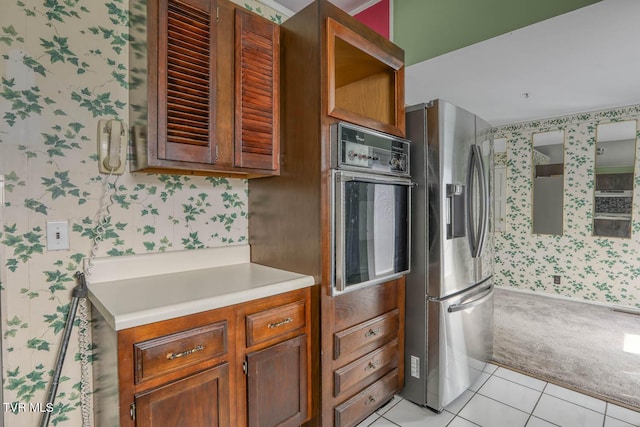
[605,270]
[65,66]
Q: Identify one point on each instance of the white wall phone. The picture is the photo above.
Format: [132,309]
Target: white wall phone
[112,146]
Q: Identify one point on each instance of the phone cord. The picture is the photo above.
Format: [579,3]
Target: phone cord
[84,341]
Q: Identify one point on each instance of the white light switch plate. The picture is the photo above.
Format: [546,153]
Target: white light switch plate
[57,235]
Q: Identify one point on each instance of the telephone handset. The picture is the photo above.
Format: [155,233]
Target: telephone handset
[112,146]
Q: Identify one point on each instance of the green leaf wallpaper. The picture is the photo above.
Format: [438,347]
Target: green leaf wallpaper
[600,269]
[64,65]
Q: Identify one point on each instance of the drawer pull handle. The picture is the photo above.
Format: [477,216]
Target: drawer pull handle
[370,401]
[195,349]
[280,323]
[372,332]
[373,365]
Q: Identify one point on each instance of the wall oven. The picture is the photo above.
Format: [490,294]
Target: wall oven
[371,199]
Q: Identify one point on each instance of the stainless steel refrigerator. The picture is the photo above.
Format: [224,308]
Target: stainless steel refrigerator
[449,291]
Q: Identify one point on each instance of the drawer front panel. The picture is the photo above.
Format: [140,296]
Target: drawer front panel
[158,356]
[366,402]
[371,366]
[378,329]
[352,308]
[274,322]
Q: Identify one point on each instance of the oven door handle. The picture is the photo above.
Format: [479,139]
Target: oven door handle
[341,177]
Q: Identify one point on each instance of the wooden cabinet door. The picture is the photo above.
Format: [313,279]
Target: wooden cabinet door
[257,91]
[198,400]
[187,80]
[277,384]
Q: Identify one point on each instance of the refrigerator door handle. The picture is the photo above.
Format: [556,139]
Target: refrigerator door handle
[484,201]
[471,191]
[477,230]
[472,302]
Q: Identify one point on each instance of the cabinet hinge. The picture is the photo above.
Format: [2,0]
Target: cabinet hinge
[132,411]
[245,367]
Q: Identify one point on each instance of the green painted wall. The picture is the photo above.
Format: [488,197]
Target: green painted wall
[428,28]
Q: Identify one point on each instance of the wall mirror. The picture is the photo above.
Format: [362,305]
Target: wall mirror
[500,184]
[548,182]
[614,176]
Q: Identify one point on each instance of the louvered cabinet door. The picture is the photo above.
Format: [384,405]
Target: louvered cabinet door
[187,80]
[257,92]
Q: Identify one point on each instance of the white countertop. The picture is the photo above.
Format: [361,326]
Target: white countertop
[140,289]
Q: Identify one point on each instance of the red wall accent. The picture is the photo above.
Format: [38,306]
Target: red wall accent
[376,17]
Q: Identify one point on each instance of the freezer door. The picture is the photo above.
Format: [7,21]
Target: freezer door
[460,343]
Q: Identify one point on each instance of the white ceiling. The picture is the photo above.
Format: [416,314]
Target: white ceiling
[585,60]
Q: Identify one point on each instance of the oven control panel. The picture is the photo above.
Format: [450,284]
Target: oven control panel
[365,149]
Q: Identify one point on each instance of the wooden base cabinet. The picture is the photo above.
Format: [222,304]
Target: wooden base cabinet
[365,368]
[276,355]
[277,384]
[247,364]
[198,400]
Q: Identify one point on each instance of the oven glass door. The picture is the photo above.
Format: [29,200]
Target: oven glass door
[372,223]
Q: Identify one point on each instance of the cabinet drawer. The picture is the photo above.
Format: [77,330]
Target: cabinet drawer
[273,322]
[371,366]
[158,356]
[366,402]
[378,329]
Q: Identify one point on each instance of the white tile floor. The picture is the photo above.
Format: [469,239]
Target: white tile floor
[504,398]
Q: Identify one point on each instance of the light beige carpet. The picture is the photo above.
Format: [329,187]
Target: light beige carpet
[584,346]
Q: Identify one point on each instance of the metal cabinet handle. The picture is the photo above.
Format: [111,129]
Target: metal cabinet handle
[195,349]
[372,332]
[371,400]
[280,323]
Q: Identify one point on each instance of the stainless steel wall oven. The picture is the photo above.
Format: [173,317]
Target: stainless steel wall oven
[371,215]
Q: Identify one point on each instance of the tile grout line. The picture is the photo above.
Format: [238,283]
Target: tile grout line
[475,392]
[523,385]
[560,398]
[606,414]
[536,405]
[579,405]
[530,415]
[542,392]
[506,404]
[604,419]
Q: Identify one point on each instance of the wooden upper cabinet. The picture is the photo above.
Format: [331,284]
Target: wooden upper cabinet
[365,80]
[204,89]
[187,80]
[257,88]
